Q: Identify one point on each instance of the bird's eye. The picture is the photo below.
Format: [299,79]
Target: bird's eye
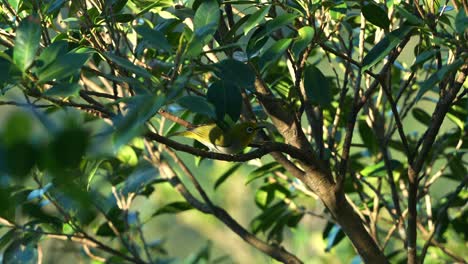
[249,130]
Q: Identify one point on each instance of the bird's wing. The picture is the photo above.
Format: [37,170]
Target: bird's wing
[212,132]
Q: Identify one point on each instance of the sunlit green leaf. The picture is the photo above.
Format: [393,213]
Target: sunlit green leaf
[421,116]
[27,42]
[255,19]
[304,38]
[389,42]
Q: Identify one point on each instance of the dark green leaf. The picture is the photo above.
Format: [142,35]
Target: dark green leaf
[49,55]
[27,41]
[22,156]
[268,217]
[375,14]
[461,21]
[173,208]
[55,6]
[272,54]
[439,76]
[123,18]
[124,63]
[412,19]
[423,57]
[236,72]
[226,175]
[138,180]
[154,38]
[304,38]
[421,116]
[141,109]
[19,253]
[63,89]
[263,171]
[389,42]
[63,67]
[278,22]
[317,87]
[7,238]
[255,19]
[17,128]
[227,100]
[379,170]
[197,104]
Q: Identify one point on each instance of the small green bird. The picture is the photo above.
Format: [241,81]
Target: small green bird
[231,141]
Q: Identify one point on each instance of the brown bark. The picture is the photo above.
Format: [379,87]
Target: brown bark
[319,179]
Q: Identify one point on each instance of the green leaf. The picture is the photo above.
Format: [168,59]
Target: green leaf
[197,104]
[141,109]
[317,86]
[226,175]
[127,156]
[27,40]
[461,21]
[227,100]
[49,55]
[139,179]
[423,57]
[272,54]
[339,10]
[304,38]
[205,25]
[379,170]
[154,38]
[278,22]
[66,153]
[55,6]
[236,72]
[389,42]
[7,238]
[368,137]
[255,19]
[263,171]
[63,67]
[268,217]
[412,19]
[438,76]
[375,14]
[17,128]
[63,89]
[126,64]
[421,116]
[173,208]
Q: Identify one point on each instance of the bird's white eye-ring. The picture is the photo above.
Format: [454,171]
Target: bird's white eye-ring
[250,130]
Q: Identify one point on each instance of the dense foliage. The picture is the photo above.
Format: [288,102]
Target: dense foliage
[365,104]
